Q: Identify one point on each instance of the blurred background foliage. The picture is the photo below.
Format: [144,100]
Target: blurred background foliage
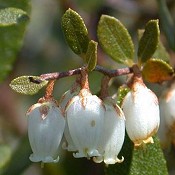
[44,50]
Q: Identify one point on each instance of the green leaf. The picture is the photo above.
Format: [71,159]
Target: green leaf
[149,41]
[167,23]
[12,27]
[11,16]
[157,71]
[160,52]
[19,159]
[91,55]
[5,155]
[75,32]
[28,85]
[115,40]
[147,160]
[121,93]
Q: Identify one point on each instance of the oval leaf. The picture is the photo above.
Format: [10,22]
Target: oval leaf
[11,16]
[91,55]
[75,32]
[160,52]
[115,40]
[13,22]
[28,85]
[149,41]
[157,71]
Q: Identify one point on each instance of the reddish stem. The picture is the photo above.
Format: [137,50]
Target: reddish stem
[105,71]
[84,79]
[104,87]
[49,90]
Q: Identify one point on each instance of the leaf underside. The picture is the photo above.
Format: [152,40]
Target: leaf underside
[157,71]
[28,85]
[13,22]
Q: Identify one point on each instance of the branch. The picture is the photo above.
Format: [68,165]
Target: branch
[105,71]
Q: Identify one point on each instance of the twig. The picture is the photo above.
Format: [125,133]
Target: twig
[105,71]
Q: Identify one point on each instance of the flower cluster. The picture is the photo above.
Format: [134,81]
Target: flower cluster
[93,127]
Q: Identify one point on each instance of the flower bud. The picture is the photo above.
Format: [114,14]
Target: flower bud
[85,118]
[141,110]
[113,134]
[45,130]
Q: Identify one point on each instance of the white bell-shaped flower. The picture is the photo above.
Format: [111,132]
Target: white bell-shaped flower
[167,117]
[68,144]
[167,105]
[113,134]
[141,109]
[85,118]
[164,132]
[45,130]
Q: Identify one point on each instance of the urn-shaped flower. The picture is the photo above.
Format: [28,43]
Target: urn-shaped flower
[68,144]
[85,118]
[167,116]
[113,134]
[45,130]
[141,109]
[167,105]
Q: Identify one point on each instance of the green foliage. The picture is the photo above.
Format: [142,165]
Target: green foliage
[11,16]
[117,43]
[115,40]
[157,71]
[28,85]
[24,5]
[75,32]
[5,155]
[149,160]
[20,158]
[167,23]
[149,41]
[143,160]
[121,93]
[91,55]
[12,27]
[160,52]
